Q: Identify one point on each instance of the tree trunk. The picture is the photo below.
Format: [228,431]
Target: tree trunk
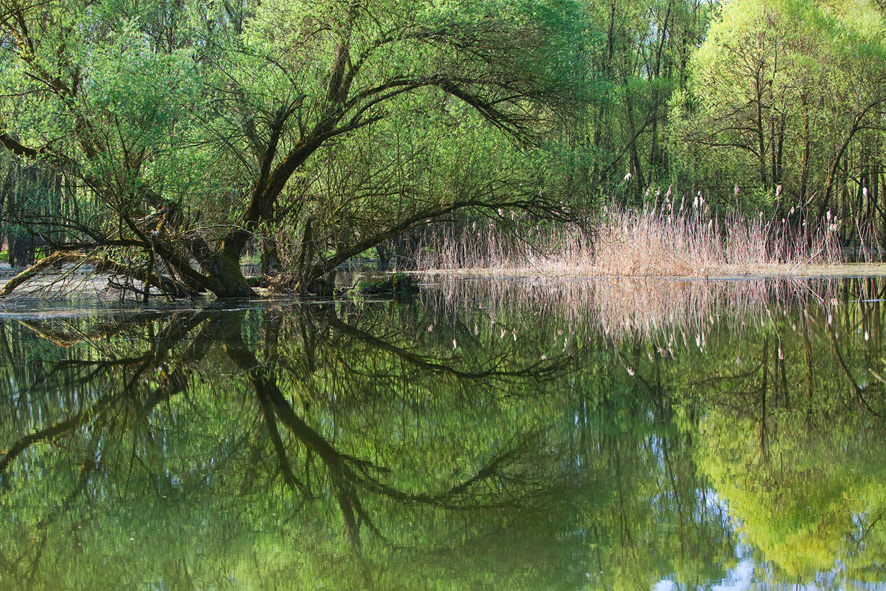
[758,124]
[807,155]
[226,278]
[270,258]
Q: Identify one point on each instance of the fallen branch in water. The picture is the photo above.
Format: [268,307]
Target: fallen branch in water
[35,269]
[101,265]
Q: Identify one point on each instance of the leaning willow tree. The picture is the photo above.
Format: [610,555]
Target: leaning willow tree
[194,130]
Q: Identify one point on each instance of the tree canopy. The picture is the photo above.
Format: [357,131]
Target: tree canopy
[789,96]
[192,130]
[166,140]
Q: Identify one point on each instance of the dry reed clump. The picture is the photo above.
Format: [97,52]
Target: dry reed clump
[653,242]
[477,246]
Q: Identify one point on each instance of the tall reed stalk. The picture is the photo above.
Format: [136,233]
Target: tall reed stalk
[657,241]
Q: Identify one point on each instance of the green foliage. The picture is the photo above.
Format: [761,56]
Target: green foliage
[199,130]
[639,57]
[187,134]
[786,94]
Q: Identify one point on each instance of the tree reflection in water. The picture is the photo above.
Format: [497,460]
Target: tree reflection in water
[450,442]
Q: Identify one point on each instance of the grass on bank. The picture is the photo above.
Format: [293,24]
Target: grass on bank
[653,242]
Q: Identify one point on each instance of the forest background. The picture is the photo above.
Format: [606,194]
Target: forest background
[167,141]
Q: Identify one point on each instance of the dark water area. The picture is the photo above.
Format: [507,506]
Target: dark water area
[521,435]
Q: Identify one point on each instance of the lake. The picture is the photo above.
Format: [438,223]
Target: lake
[520,435]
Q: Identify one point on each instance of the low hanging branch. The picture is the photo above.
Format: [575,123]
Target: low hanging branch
[100,265]
[35,269]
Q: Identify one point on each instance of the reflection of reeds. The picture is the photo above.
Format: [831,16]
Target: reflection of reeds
[661,310]
[655,241]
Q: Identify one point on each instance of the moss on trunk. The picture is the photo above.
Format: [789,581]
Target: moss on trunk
[226,279]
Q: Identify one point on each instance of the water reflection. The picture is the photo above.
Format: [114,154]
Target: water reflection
[486,441]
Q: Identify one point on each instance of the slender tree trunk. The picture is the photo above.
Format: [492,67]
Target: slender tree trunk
[636,166]
[761,136]
[807,154]
[838,158]
[777,149]
[270,257]
[654,156]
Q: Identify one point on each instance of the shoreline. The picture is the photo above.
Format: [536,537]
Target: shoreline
[837,271]
[62,286]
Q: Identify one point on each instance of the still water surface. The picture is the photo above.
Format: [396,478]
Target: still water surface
[521,435]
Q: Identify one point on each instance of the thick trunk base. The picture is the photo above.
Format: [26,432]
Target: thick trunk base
[226,278]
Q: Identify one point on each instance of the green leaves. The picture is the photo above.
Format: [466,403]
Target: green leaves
[786,91]
[221,110]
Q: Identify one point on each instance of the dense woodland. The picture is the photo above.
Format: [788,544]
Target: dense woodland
[169,140]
